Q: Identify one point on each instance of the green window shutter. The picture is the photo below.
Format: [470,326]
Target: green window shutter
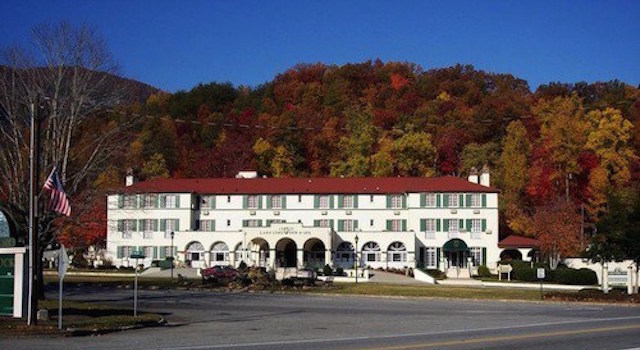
[316,223]
[120,225]
[484,200]
[461,200]
[161,254]
[316,202]
[484,256]
[438,203]
[120,201]
[484,225]
[437,258]
[245,223]
[284,202]
[355,201]
[136,201]
[355,224]
[245,201]
[175,251]
[155,253]
[331,222]
[260,202]
[423,225]
[120,252]
[404,225]
[468,227]
[177,201]
[269,222]
[156,204]
[388,201]
[467,202]
[213,225]
[445,224]
[389,225]
[340,201]
[460,224]
[331,201]
[163,225]
[340,225]
[269,206]
[177,228]
[140,225]
[404,201]
[438,225]
[259,223]
[163,201]
[445,199]
[423,200]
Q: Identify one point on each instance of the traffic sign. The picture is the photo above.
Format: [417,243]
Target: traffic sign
[137,255]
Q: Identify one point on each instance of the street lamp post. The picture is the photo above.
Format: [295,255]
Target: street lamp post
[356,258]
[172,255]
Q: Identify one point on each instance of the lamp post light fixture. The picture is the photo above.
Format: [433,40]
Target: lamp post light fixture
[356,257]
[172,255]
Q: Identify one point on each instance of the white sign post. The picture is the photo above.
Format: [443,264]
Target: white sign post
[63,265]
[541,275]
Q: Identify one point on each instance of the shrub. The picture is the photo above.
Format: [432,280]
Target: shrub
[339,271]
[483,271]
[575,277]
[526,274]
[327,270]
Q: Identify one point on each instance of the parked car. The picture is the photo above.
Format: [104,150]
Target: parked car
[219,274]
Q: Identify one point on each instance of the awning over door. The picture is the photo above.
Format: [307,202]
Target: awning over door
[455,245]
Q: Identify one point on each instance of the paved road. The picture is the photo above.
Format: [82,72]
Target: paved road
[205,320]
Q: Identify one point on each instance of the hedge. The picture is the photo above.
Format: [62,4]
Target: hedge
[562,275]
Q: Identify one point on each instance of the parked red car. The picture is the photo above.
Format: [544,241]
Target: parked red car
[219,273]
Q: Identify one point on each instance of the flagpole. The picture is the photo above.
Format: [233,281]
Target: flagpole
[34,171]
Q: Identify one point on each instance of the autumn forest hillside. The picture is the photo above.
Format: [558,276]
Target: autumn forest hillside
[572,143]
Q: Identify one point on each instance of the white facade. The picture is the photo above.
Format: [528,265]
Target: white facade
[435,229]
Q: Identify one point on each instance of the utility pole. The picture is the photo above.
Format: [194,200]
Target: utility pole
[34,174]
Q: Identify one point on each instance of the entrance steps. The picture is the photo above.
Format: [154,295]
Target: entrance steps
[458,273]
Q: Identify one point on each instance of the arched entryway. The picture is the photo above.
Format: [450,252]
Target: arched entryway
[194,254]
[345,255]
[456,252]
[259,252]
[511,254]
[286,253]
[314,253]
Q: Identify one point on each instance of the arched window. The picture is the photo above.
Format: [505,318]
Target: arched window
[345,252]
[220,252]
[194,251]
[397,252]
[371,251]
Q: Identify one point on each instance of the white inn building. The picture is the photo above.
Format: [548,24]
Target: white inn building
[438,223]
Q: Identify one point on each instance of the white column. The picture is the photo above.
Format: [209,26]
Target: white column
[18,268]
[605,278]
[300,258]
[630,279]
[272,259]
[328,257]
[637,279]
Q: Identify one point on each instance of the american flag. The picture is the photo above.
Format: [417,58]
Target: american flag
[59,201]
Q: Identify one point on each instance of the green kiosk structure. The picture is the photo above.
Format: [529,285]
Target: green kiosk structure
[13,262]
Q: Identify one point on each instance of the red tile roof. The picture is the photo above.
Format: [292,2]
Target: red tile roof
[351,185]
[514,241]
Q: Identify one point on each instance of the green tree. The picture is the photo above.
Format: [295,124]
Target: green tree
[357,148]
[513,164]
[155,167]
[415,154]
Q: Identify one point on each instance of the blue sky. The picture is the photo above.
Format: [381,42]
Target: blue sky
[178,44]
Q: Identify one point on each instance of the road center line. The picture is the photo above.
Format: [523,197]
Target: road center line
[325,340]
[508,337]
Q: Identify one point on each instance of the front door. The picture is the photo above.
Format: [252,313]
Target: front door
[457,259]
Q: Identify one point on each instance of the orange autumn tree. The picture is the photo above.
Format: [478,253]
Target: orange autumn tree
[557,226]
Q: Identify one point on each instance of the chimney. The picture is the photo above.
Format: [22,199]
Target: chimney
[485,179]
[473,175]
[247,174]
[130,179]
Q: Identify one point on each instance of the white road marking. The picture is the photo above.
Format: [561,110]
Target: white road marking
[324,340]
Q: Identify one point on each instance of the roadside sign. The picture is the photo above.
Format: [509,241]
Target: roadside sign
[541,273]
[63,262]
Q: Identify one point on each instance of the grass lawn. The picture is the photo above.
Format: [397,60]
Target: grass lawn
[80,318]
[429,291]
